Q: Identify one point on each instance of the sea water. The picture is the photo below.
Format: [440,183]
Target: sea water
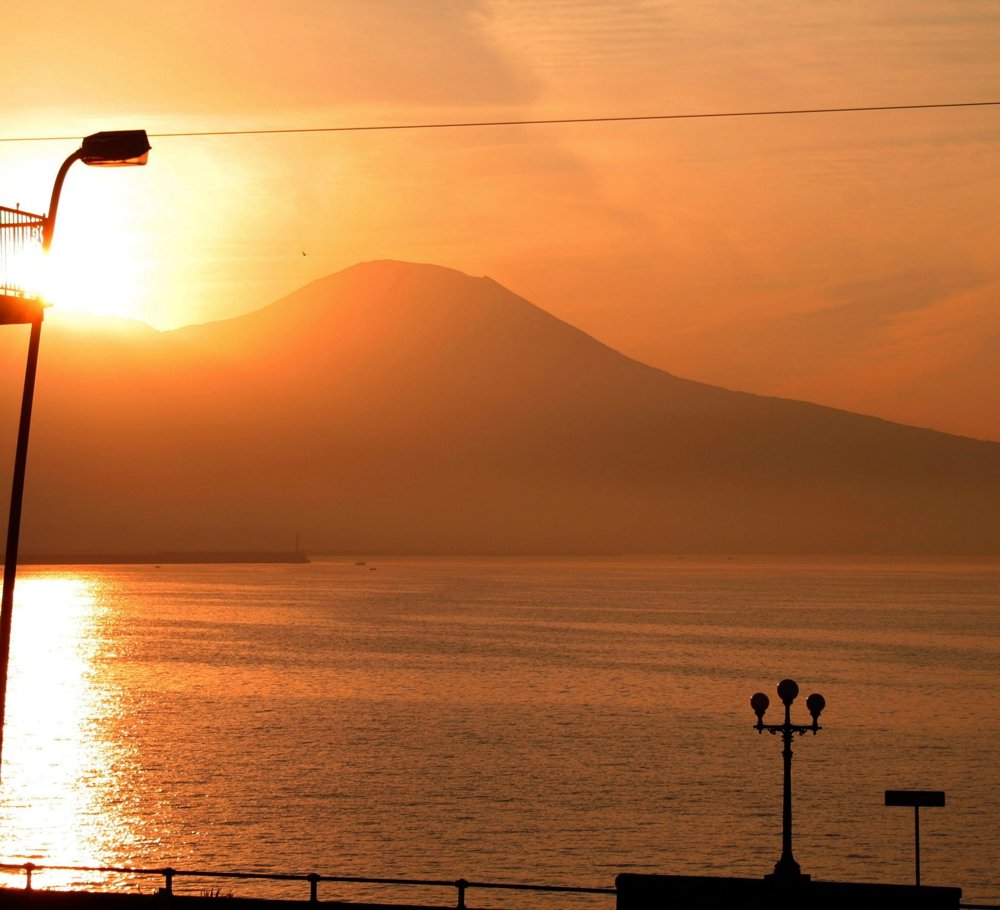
[541,721]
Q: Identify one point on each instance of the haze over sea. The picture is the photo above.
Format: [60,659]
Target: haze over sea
[546,721]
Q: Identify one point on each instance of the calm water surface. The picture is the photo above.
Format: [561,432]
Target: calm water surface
[506,720]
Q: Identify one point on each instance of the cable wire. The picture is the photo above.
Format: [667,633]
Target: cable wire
[386,127]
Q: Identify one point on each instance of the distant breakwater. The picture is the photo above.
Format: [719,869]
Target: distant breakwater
[171,558]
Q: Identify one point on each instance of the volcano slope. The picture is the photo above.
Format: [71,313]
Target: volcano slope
[395,407]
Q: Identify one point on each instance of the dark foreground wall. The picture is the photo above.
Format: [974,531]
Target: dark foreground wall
[678,892]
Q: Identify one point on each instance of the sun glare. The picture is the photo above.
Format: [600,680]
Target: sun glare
[97,264]
[83,278]
[26,270]
[51,810]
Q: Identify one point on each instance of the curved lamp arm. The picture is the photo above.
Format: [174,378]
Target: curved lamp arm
[48,228]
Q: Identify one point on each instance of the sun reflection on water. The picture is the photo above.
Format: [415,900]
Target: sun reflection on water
[55,804]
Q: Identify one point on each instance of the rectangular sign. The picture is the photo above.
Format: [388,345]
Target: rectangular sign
[914,797]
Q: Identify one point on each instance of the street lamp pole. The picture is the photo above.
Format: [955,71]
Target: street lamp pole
[787,868]
[108,149]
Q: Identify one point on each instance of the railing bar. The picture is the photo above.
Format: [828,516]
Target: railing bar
[37,867]
[563,888]
[20,215]
[289,876]
[190,873]
[350,879]
[273,876]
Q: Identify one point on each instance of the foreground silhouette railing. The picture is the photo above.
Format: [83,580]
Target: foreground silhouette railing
[461,885]
[314,879]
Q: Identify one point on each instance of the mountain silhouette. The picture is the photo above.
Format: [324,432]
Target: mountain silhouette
[395,407]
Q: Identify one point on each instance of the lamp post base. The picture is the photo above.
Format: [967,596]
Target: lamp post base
[780,878]
[787,870]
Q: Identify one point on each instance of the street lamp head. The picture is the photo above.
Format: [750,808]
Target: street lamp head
[115,148]
[815,703]
[788,690]
[759,702]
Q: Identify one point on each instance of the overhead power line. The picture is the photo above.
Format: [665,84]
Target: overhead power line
[553,121]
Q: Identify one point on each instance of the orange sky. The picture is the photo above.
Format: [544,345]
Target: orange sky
[849,259]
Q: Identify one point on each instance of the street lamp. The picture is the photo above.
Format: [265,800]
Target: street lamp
[786,867]
[22,233]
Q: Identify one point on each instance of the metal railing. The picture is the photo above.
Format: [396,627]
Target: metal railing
[461,885]
[20,241]
[313,879]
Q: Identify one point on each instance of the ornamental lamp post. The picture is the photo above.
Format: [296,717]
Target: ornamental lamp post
[22,235]
[786,868]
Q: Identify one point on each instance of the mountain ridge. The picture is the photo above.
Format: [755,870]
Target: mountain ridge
[405,408]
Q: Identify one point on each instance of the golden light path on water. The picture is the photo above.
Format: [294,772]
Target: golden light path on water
[55,780]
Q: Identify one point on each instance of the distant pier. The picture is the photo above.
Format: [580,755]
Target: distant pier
[197,557]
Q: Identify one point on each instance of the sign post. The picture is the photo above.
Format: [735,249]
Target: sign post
[915,798]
